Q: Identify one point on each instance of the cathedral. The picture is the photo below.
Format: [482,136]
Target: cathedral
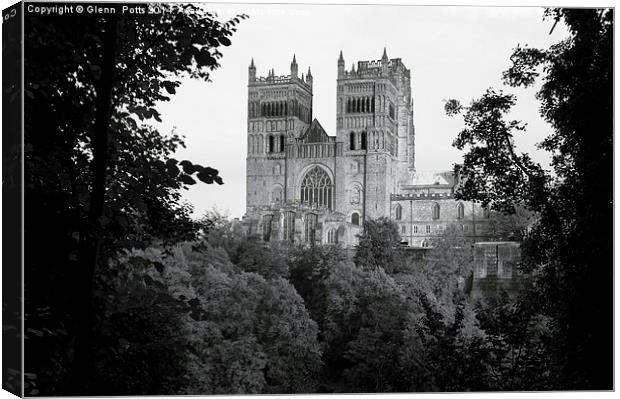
[306,186]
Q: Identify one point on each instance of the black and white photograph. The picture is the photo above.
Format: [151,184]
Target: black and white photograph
[297,198]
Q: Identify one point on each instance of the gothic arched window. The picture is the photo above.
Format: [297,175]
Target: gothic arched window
[310,227]
[282,143]
[460,211]
[271,143]
[356,195]
[351,141]
[332,236]
[289,226]
[355,218]
[316,188]
[399,212]
[436,211]
[363,147]
[267,227]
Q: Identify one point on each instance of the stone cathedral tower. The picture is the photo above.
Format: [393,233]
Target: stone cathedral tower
[279,110]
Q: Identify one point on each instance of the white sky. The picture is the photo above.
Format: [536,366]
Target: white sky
[452,52]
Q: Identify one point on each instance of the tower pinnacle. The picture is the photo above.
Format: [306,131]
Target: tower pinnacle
[252,71]
[384,57]
[294,67]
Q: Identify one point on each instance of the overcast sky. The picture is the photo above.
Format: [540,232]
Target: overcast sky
[452,52]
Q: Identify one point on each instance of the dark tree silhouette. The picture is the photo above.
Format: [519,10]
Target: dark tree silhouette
[96,181]
[571,245]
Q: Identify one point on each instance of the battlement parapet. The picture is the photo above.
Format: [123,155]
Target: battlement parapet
[279,80]
[421,196]
[375,69]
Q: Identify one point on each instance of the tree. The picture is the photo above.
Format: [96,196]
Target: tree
[570,247]
[451,354]
[449,261]
[97,182]
[378,322]
[247,253]
[366,313]
[379,245]
[310,268]
[518,341]
[142,341]
[250,335]
[511,226]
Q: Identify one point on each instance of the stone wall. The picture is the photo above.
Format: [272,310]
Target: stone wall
[495,269]
[417,224]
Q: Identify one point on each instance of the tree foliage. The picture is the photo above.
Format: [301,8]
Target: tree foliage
[493,172]
[363,334]
[379,245]
[569,249]
[519,341]
[127,295]
[453,354]
[97,180]
[511,226]
[190,322]
[310,269]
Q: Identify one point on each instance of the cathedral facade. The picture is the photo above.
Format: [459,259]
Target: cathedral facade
[306,186]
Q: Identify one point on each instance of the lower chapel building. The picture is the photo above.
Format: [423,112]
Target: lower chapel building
[306,186]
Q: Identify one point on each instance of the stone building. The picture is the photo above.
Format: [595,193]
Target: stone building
[423,208]
[495,269]
[306,186]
